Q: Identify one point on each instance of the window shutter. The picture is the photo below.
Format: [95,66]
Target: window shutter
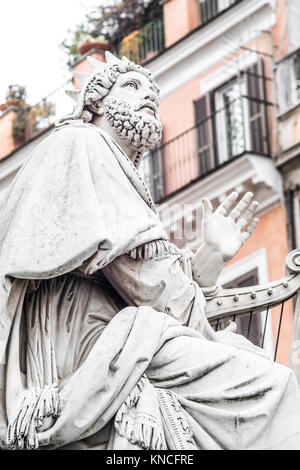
[257,110]
[248,325]
[208,10]
[204,134]
[151,170]
[146,170]
[296,62]
[211,8]
[158,174]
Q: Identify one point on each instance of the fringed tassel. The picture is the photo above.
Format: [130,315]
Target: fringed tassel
[20,430]
[134,395]
[155,249]
[36,406]
[148,434]
[139,428]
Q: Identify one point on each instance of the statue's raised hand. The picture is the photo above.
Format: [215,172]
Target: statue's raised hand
[222,235]
[223,229]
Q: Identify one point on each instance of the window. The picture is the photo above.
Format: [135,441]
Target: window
[249,325]
[211,8]
[288,82]
[296,69]
[151,170]
[250,271]
[232,119]
[204,134]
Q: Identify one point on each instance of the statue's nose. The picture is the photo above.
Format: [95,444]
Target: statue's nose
[149,95]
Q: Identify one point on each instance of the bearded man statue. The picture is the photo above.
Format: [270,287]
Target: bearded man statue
[103,336]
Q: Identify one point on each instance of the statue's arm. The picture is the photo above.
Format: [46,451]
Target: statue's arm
[162,284]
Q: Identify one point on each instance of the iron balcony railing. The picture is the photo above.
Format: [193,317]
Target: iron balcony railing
[141,46]
[210,9]
[239,127]
[144,44]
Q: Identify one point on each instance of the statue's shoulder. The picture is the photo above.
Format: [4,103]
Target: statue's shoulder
[75,127]
[76,130]
[76,134]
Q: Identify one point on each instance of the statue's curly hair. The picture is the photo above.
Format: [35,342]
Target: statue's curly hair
[100,84]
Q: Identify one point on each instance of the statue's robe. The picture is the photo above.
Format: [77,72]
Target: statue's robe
[103,327]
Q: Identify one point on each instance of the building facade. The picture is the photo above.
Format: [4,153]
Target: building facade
[219,108]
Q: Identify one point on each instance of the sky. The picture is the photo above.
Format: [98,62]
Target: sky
[30,34]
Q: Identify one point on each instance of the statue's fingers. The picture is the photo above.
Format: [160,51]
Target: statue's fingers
[247,216]
[241,206]
[207,209]
[227,203]
[252,226]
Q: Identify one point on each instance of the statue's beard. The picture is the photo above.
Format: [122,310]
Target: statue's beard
[137,128]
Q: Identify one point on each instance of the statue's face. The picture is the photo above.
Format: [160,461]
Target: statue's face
[131,108]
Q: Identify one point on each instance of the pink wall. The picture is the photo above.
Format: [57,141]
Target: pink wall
[280,30]
[174,120]
[180,17]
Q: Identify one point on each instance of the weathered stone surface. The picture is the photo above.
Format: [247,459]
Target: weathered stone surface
[104,338]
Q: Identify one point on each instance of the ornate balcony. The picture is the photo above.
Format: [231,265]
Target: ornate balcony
[238,128]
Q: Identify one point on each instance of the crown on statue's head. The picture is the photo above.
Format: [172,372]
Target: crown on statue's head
[98,67]
[104,75]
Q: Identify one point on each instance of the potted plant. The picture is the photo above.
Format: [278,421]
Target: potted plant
[15,96]
[39,116]
[88,42]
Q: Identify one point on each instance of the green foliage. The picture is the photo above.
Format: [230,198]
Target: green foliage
[76,37]
[40,113]
[16,92]
[34,116]
[122,18]
[112,20]
[19,124]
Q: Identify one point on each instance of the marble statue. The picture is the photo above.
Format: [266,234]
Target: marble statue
[104,341]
